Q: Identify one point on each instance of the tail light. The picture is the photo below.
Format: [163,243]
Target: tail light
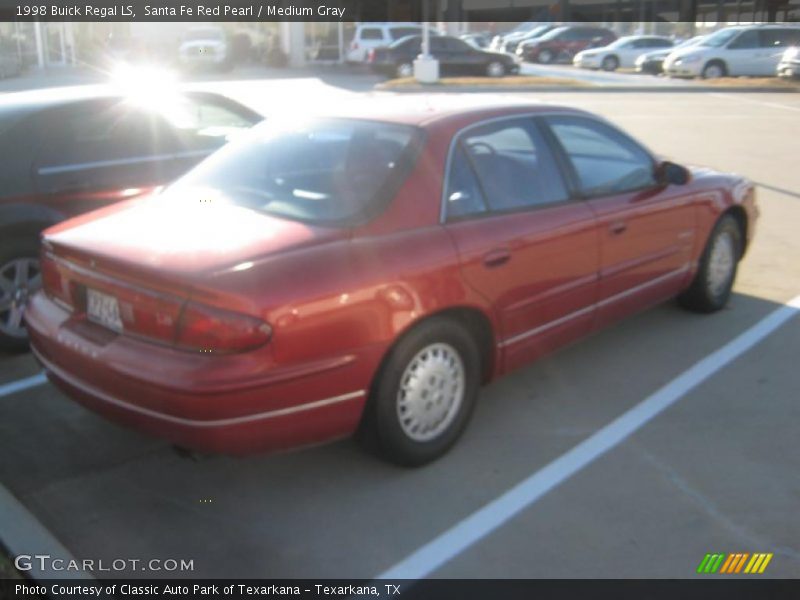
[371,55]
[354,45]
[212,330]
[57,287]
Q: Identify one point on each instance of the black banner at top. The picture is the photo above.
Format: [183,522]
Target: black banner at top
[397,10]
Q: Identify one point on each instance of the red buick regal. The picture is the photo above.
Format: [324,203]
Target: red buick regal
[368,270]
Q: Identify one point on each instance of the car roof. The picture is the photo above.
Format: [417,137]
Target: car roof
[425,110]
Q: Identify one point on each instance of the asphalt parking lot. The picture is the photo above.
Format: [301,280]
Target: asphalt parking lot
[716,471]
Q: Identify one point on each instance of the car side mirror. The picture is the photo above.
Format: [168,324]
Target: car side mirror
[670,173]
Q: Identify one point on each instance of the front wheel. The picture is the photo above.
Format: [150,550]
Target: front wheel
[424,395]
[712,285]
[714,70]
[545,57]
[495,69]
[610,63]
[405,70]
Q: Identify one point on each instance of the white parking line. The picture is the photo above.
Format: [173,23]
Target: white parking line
[754,101]
[23,535]
[22,384]
[481,523]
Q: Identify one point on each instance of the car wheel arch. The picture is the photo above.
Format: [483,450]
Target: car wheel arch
[716,61]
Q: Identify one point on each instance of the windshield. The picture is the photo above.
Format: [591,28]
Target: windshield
[553,33]
[691,42]
[318,170]
[538,31]
[620,42]
[720,38]
[195,35]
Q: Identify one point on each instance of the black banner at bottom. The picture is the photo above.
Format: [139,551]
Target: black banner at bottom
[427,589]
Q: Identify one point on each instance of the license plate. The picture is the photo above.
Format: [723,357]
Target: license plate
[103,310]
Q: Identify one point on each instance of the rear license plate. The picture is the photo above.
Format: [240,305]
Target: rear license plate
[103,310]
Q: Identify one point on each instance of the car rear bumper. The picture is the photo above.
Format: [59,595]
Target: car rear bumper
[209,403]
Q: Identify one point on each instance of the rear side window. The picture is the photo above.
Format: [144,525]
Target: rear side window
[605,160]
[371,33]
[317,170]
[780,38]
[513,168]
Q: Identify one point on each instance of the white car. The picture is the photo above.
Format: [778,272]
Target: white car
[204,47]
[790,63]
[620,53]
[753,50]
[377,35]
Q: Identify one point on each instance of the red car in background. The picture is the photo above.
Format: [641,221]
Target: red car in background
[70,150]
[563,43]
[367,270]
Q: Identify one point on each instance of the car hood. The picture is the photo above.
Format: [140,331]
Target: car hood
[685,52]
[198,233]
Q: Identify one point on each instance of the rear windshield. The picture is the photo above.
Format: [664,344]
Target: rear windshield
[328,171]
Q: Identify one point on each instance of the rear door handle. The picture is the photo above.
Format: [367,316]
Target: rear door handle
[497,257]
[617,227]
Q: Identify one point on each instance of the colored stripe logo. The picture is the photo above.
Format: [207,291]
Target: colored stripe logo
[730,564]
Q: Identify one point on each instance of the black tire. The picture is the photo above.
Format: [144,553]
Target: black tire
[381,429]
[610,63]
[702,296]
[21,247]
[404,70]
[545,57]
[496,69]
[712,68]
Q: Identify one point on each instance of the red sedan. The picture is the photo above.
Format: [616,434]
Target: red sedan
[367,271]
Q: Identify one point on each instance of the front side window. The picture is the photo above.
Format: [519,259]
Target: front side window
[605,161]
[512,165]
[326,171]
[746,40]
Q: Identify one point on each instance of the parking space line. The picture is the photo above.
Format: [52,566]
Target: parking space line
[753,101]
[23,535]
[484,521]
[22,384]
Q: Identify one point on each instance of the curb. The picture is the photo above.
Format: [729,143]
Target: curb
[587,88]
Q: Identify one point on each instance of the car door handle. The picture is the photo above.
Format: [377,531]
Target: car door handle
[617,227]
[497,257]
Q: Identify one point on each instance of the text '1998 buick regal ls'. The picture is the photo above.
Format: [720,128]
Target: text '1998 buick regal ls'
[367,271]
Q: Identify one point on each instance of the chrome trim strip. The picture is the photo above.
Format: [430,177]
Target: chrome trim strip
[583,311]
[75,382]
[118,162]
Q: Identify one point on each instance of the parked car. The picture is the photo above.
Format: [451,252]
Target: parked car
[752,50]
[790,63]
[653,62]
[367,270]
[562,43]
[70,150]
[205,47]
[377,35]
[455,56]
[499,40]
[620,53]
[511,45]
[477,40]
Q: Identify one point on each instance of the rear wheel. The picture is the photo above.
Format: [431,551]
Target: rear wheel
[712,285]
[19,279]
[424,395]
